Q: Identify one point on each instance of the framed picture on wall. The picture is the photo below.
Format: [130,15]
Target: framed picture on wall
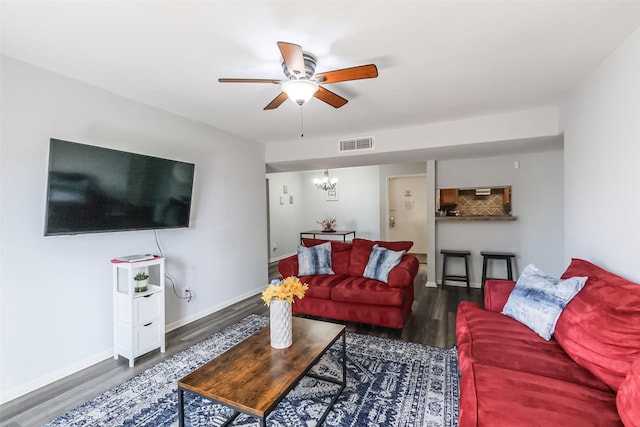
[332,195]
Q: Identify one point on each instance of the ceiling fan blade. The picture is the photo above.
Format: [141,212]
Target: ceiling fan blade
[277,101]
[354,73]
[292,55]
[250,81]
[330,98]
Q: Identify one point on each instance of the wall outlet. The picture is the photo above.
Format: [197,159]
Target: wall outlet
[275,247]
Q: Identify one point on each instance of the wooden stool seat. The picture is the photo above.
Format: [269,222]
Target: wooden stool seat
[506,256]
[455,277]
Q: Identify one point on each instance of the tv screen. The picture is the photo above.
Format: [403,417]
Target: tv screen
[93,189]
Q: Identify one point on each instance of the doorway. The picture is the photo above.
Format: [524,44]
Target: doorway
[407,210]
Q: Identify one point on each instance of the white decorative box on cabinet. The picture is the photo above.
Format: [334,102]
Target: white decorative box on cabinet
[138,317]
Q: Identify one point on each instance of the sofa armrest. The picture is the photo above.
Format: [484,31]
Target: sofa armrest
[496,293]
[288,266]
[402,275]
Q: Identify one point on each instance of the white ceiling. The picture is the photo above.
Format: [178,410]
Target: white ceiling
[437,61]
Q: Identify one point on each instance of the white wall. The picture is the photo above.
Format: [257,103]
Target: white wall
[56,291]
[357,207]
[285,220]
[602,144]
[537,234]
[510,126]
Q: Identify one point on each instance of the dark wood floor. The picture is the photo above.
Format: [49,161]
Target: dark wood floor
[432,323]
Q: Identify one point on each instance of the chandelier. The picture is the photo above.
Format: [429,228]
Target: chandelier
[325,183]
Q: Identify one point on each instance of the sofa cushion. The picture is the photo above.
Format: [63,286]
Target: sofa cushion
[494,396]
[362,249]
[381,261]
[340,253]
[360,256]
[314,260]
[493,339]
[403,274]
[628,398]
[538,299]
[400,245]
[367,291]
[600,327]
[496,293]
[320,285]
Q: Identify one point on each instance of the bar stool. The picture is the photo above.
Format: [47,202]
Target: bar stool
[456,254]
[506,256]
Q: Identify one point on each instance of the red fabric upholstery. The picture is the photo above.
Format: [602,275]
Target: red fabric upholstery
[600,327]
[360,256]
[400,245]
[289,266]
[340,253]
[320,285]
[512,377]
[362,249]
[347,295]
[628,399]
[502,397]
[402,274]
[383,315]
[493,339]
[496,293]
[367,291]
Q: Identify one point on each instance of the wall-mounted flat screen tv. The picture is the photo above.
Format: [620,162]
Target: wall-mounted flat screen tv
[94,189]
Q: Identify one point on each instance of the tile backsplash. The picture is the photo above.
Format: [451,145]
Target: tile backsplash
[471,205]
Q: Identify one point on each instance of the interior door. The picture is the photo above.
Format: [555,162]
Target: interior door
[407,215]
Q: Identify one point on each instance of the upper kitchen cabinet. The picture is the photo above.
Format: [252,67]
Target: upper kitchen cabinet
[449,196]
[506,196]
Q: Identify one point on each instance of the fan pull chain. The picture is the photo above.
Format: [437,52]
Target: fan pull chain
[301,123]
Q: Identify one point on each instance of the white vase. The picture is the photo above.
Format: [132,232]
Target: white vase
[280,324]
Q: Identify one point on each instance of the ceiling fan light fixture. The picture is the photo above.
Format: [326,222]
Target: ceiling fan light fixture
[300,90]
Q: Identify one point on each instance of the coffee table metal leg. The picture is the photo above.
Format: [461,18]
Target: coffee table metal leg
[180,407]
[344,360]
[342,383]
[230,420]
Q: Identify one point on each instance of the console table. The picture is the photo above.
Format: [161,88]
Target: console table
[343,233]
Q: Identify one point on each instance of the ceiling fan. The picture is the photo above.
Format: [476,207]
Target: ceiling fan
[302,83]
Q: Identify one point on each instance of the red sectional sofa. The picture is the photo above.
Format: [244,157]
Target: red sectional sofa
[347,295]
[587,374]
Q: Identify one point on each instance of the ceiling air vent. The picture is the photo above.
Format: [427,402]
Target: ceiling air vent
[356,144]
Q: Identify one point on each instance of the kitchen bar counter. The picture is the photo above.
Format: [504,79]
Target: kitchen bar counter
[477,218]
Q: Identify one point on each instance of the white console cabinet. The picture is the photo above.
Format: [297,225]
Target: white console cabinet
[138,317]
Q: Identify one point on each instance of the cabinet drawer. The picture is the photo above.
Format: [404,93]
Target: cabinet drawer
[147,337]
[147,308]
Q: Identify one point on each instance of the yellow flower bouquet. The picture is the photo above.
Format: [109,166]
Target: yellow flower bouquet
[284,290]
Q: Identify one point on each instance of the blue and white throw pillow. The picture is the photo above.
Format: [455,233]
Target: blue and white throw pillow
[314,260]
[381,261]
[538,299]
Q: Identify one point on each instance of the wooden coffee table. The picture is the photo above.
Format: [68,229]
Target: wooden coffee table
[252,377]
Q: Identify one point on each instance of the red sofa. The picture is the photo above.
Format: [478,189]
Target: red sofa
[587,374]
[347,295]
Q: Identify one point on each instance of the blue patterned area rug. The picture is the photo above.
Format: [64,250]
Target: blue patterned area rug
[389,383]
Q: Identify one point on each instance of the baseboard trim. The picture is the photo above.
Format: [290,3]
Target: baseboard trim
[52,377]
[21,390]
[204,313]
[278,258]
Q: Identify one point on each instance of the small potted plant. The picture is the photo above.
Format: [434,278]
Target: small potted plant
[142,281]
